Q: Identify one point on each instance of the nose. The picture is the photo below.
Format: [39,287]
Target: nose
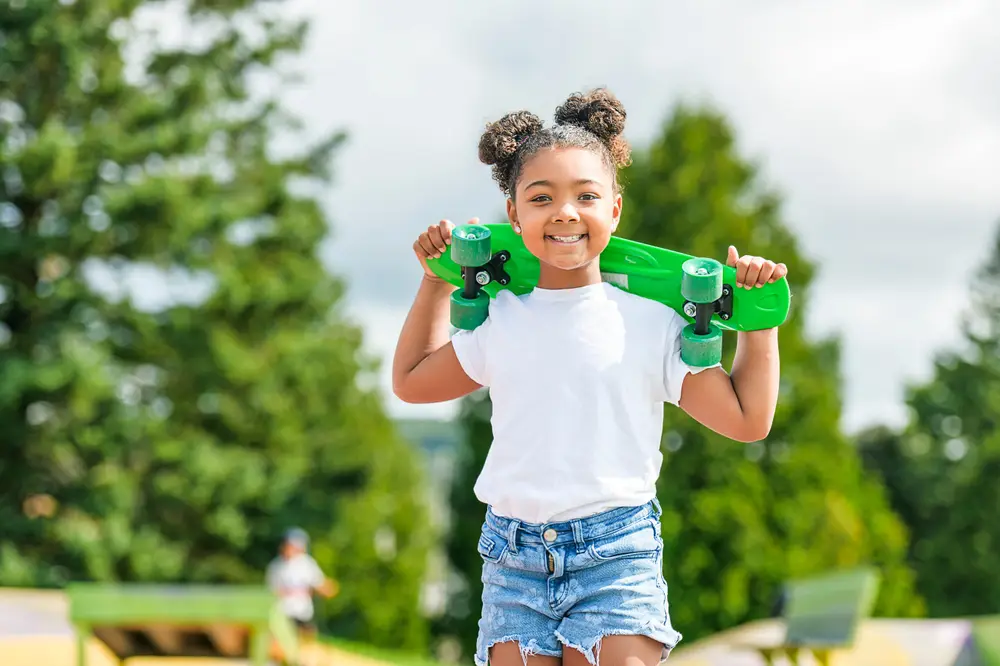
[566,213]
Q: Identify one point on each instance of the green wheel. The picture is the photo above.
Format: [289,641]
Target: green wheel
[470,245]
[702,280]
[469,313]
[701,350]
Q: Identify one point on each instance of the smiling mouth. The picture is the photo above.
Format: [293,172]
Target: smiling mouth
[566,239]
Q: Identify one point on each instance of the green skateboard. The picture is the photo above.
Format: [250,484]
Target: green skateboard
[486,258]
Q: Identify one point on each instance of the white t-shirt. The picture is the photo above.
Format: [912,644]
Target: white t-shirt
[578,378]
[294,579]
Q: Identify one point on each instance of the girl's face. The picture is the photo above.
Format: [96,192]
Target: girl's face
[566,209]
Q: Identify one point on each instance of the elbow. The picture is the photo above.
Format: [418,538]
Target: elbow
[401,391]
[754,432]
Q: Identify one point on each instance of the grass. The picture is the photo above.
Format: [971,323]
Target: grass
[389,656]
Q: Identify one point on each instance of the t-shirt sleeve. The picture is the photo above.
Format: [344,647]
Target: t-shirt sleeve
[316,576]
[472,349]
[674,368]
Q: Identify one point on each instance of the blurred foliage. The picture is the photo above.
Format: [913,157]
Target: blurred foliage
[738,519]
[174,440]
[460,620]
[942,469]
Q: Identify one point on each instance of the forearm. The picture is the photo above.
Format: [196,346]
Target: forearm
[755,375]
[425,330]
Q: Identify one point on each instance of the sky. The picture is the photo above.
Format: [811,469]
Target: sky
[878,121]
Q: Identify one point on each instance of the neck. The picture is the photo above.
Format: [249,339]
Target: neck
[550,277]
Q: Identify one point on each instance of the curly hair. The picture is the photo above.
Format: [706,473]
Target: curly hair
[594,121]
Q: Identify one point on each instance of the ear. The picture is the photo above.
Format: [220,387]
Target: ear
[616,212]
[512,215]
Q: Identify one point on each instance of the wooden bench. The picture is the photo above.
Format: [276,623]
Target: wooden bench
[237,622]
[822,614]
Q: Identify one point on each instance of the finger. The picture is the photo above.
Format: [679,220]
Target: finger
[766,271]
[753,271]
[780,271]
[446,226]
[436,240]
[741,270]
[427,246]
[733,256]
[419,250]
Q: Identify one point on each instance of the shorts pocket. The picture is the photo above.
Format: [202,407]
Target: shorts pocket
[492,550]
[641,541]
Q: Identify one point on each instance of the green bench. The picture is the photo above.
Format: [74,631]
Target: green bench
[235,622]
[822,614]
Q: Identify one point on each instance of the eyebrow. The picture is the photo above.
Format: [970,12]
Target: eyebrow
[545,183]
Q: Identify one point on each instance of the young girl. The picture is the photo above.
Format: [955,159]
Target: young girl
[577,371]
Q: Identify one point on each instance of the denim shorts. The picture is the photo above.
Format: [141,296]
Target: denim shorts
[572,583]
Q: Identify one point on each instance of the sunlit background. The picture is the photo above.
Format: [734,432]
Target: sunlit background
[878,125]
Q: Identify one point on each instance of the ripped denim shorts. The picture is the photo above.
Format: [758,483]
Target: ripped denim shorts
[572,583]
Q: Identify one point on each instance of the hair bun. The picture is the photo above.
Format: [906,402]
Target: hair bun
[599,112]
[501,138]
[603,115]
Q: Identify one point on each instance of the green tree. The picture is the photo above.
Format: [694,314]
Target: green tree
[175,442]
[942,468]
[461,617]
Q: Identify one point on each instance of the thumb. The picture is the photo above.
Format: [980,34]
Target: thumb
[733,256]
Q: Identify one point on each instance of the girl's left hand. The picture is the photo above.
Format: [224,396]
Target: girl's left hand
[754,271]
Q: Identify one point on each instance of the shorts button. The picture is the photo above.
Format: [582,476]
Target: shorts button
[549,535]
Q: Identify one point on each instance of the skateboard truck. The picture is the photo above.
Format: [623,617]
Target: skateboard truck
[492,271]
[702,312]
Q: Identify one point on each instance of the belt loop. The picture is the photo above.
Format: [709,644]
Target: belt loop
[581,546]
[512,535]
[657,509]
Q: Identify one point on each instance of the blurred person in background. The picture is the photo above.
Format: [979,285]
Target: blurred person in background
[295,576]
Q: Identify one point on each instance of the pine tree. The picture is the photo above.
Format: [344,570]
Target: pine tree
[176,441]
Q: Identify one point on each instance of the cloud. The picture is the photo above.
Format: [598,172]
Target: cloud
[877,120]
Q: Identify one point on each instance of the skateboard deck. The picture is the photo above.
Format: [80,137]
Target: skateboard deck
[644,270]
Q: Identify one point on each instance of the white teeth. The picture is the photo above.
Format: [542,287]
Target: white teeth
[566,239]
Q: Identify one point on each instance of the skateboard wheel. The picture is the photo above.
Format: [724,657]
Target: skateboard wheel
[702,280]
[701,350]
[468,313]
[470,245]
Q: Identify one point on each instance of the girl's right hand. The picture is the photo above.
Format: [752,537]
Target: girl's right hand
[433,243]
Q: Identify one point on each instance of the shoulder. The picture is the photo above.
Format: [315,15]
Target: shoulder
[652,315]
[302,563]
[313,567]
[505,305]
[506,301]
